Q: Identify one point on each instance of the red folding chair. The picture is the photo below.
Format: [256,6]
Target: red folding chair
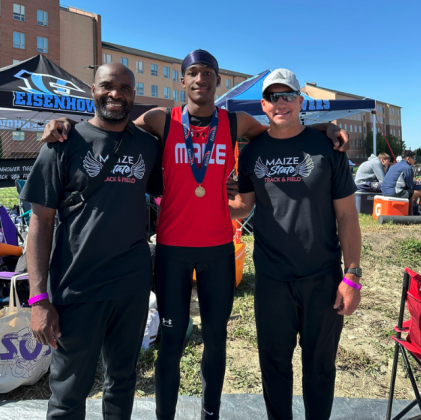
[411,294]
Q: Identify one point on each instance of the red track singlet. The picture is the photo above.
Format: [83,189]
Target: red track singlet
[184,219]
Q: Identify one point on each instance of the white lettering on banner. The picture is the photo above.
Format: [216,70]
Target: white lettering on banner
[10,169]
[218,153]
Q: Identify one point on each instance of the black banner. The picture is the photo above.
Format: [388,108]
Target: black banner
[13,169]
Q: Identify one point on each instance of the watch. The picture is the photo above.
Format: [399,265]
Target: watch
[358,271]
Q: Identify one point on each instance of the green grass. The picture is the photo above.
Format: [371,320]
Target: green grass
[9,197]
[410,250]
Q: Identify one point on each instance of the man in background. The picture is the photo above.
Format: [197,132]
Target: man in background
[399,180]
[371,173]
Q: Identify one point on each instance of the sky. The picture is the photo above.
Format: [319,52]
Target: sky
[370,48]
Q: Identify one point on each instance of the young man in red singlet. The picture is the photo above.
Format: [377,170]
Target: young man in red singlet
[194,230]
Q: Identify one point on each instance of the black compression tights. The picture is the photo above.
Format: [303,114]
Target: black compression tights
[215,289]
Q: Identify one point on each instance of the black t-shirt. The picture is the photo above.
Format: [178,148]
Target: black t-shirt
[295,181]
[99,252]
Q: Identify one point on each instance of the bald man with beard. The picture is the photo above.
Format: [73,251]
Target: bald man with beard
[100,274]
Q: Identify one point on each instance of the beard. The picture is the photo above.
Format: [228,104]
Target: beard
[111,117]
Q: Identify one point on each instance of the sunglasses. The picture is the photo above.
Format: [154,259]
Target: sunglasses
[273,97]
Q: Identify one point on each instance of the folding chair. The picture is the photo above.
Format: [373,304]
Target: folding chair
[411,294]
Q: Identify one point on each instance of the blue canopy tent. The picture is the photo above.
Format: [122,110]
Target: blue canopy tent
[247,95]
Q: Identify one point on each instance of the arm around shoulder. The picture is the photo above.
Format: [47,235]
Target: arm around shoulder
[153,121]
[248,127]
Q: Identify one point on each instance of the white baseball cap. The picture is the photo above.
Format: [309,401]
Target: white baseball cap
[283,77]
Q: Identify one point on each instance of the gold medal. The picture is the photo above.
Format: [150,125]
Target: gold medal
[200,191]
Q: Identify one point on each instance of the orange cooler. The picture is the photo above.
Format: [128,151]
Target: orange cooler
[389,206]
[240,255]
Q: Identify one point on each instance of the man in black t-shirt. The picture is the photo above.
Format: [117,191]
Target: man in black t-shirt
[305,218]
[100,273]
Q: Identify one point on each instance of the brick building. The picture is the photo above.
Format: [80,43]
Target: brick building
[71,38]
[357,126]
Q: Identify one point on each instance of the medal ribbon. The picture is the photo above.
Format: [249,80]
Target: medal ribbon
[199,174]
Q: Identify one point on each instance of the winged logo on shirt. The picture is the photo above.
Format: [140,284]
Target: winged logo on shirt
[303,169]
[94,166]
[138,168]
[260,169]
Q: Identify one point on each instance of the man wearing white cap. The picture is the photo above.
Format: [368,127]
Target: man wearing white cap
[304,196]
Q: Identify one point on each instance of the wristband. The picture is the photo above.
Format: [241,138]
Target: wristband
[352,284]
[37,298]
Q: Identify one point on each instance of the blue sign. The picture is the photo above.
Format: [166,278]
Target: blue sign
[51,92]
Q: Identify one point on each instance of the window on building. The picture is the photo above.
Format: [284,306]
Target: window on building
[360,129]
[124,61]
[346,126]
[180,75]
[359,117]
[352,141]
[167,93]
[175,76]
[166,72]
[42,18]
[18,135]
[139,89]
[361,144]
[154,90]
[350,128]
[42,44]
[139,67]
[107,58]
[19,40]
[39,136]
[228,83]
[356,129]
[175,95]
[182,96]
[154,69]
[19,12]
[340,125]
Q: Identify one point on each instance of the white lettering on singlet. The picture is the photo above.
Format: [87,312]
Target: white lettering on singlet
[218,153]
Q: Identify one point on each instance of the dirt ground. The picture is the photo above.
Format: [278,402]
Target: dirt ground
[366,349]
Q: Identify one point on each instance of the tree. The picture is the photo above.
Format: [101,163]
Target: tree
[381,145]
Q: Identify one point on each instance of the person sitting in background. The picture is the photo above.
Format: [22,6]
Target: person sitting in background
[371,173]
[399,180]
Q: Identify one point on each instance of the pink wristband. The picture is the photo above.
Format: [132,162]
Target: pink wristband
[37,298]
[352,284]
